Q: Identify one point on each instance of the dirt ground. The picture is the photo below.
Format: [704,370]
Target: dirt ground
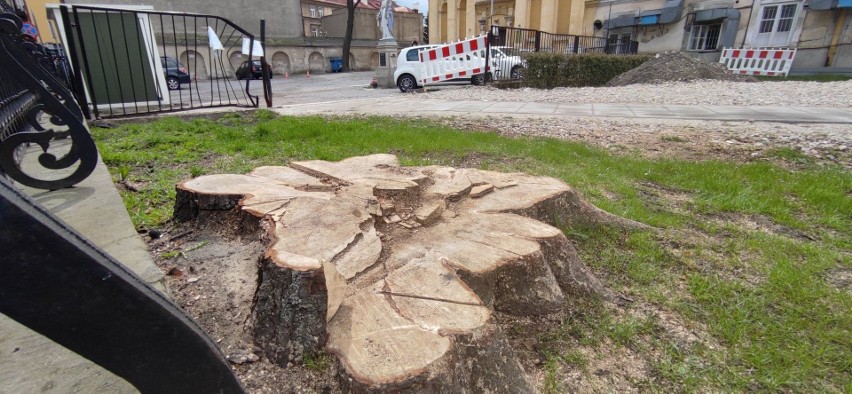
[212,275]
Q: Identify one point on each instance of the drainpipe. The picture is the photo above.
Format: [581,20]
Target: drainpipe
[838,26]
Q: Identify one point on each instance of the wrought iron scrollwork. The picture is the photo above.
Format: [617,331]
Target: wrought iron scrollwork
[46,106]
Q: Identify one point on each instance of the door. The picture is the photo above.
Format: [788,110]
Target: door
[775,24]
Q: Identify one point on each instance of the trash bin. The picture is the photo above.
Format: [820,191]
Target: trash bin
[336,64]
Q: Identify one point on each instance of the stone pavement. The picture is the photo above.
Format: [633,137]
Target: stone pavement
[416,106]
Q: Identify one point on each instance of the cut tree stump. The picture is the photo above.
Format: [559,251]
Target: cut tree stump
[398,270]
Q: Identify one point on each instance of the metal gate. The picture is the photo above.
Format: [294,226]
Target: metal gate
[133,60]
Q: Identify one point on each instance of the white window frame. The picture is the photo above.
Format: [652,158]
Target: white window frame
[321,11]
[774,22]
[313,9]
[315,30]
[703,32]
[756,39]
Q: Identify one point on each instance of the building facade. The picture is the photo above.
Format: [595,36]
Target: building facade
[450,20]
[301,35]
[820,29]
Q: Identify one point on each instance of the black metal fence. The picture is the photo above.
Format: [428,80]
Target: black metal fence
[133,62]
[508,44]
[38,116]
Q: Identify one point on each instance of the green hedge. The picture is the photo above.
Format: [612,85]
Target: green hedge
[550,70]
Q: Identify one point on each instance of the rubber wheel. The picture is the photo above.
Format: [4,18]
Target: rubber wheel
[406,83]
[517,72]
[172,83]
[478,80]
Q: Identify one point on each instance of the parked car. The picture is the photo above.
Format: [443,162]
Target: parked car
[243,71]
[176,73]
[408,74]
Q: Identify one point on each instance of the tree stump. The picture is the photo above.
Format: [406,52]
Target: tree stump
[398,270]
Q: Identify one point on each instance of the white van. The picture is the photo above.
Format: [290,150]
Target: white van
[408,71]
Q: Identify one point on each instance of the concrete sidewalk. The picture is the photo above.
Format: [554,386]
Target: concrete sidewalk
[417,106]
[30,362]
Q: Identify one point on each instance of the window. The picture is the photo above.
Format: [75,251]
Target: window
[321,11]
[413,55]
[771,20]
[776,24]
[315,30]
[313,11]
[704,37]
[619,43]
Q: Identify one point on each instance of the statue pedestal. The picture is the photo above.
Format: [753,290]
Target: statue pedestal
[388,51]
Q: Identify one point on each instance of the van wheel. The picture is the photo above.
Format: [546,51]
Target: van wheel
[478,80]
[406,83]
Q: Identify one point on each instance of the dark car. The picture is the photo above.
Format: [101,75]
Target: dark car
[243,70]
[176,73]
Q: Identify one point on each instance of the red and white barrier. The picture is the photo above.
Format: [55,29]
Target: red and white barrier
[462,59]
[769,62]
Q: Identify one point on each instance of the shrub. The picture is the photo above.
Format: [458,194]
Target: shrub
[550,70]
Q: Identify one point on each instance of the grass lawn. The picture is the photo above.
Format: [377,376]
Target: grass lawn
[752,260]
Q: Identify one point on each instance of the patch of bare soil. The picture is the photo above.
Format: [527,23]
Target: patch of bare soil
[841,278]
[764,225]
[212,275]
[676,67]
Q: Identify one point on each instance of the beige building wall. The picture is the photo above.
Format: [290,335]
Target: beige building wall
[407,26]
[309,20]
[38,15]
[451,20]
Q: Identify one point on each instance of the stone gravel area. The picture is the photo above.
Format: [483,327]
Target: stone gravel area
[782,93]
[687,139]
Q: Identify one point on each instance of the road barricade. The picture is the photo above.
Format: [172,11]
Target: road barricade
[462,59]
[768,62]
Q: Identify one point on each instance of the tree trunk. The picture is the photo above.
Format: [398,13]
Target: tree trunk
[350,26]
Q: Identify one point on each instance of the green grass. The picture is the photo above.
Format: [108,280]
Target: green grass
[315,362]
[809,78]
[763,296]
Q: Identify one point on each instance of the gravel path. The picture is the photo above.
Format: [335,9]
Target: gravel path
[687,139]
[785,93]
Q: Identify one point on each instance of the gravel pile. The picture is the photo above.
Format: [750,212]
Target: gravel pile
[782,93]
[676,67]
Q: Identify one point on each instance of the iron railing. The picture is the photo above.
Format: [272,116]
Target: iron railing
[508,45]
[134,62]
[38,111]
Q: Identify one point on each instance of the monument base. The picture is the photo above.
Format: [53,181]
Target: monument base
[388,51]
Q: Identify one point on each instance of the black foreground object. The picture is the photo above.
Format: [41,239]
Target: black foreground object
[60,285]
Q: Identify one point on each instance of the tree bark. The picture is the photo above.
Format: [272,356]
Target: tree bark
[350,26]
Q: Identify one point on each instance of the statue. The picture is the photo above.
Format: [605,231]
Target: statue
[385,19]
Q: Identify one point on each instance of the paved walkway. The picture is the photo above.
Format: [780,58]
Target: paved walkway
[31,363]
[417,106]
